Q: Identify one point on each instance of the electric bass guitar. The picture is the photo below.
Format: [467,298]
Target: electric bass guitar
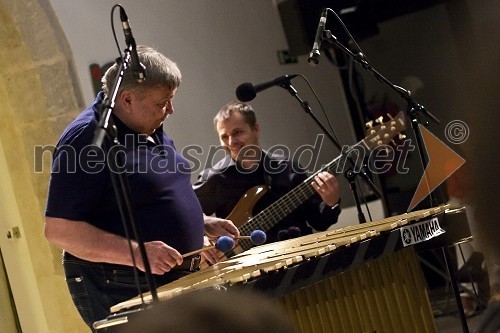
[241,215]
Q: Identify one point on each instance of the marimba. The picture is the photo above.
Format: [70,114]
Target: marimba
[360,278]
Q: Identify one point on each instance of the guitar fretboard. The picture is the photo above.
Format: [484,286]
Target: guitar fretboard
[282,207]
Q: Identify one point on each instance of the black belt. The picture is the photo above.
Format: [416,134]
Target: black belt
[189,264]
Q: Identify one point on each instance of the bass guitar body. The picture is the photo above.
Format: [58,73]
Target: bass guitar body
[242,212]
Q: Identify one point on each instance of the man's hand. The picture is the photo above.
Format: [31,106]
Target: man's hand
[162,258]
[212,255]
[216,227]
[327,187]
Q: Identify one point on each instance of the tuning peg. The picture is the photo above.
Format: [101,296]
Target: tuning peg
[380,120]
[402,136]
[369,124]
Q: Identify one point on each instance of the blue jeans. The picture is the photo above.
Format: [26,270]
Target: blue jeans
[96,287]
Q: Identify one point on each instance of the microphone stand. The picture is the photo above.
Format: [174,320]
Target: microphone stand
[412,109]
[351,177]
[106,129]
[351,173]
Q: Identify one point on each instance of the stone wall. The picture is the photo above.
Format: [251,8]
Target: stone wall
[39,96]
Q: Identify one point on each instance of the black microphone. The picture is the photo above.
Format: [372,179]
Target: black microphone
[138,69]
[314,54]
[247,91]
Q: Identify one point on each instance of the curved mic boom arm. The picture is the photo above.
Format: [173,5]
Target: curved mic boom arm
[413,108]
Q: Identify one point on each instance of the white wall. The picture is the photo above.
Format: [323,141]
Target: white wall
[218,44]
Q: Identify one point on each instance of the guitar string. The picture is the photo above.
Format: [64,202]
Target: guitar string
[267,218]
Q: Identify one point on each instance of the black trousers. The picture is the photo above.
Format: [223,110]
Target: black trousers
[96,287]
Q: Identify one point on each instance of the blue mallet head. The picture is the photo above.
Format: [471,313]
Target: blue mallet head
[294,232]
[258,237]
[224,244]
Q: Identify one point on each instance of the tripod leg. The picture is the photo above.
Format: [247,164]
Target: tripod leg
[456,291]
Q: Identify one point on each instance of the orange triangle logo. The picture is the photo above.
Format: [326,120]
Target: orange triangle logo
[443,162]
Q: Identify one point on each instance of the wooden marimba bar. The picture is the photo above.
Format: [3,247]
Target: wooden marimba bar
[360,278]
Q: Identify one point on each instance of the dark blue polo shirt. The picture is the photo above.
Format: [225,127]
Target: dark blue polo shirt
[164,202]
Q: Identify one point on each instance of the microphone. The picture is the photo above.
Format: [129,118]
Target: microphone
[247,91]
[314,54]
[138,69]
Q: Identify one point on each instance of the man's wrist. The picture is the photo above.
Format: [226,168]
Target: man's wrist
[333,207]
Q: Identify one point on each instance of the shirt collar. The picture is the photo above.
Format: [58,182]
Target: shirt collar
[122,129]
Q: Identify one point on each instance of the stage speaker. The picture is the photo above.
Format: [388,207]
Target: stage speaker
[300,20]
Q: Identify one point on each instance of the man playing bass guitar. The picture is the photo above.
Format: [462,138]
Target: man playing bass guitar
[260,179]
